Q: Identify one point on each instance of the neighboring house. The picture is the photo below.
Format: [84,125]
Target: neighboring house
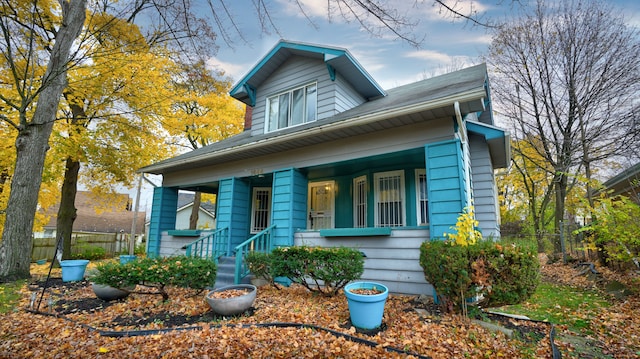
[329,158]
[97,216]
[625,183]
[206,213]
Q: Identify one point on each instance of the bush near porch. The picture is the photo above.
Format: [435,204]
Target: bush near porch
[503,274]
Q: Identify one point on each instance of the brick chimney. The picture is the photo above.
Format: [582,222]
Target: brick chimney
[248,113]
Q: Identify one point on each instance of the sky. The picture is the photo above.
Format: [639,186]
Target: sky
[448,43]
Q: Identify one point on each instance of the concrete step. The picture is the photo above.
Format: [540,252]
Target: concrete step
[226,273]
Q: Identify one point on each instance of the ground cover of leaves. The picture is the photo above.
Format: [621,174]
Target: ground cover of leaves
[427,333]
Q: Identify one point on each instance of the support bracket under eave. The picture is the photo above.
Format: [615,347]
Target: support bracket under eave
[332,72]
[251,92]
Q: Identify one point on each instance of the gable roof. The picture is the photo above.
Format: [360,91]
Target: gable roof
[336,59]
[417,102]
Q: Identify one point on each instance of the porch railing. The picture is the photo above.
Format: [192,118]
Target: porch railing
[212,246]
[260,242]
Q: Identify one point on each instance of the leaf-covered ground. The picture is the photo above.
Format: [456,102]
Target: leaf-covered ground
[82,326]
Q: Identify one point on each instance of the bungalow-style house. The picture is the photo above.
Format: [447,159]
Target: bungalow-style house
[329,158]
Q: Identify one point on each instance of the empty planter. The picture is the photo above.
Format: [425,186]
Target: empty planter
[366,309]
[73,270]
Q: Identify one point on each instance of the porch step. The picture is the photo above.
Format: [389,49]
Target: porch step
[226,273]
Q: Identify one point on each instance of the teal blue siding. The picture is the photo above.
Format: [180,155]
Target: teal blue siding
[289,206]
[344,202]
[233,210]
[163,217]
[410,195]
[446,186]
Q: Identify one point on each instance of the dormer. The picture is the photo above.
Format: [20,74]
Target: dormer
[298,83]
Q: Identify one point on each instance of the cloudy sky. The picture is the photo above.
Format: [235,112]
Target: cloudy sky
[448,43]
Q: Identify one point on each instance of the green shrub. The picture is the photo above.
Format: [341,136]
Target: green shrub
[259,264]
[87,251]
[181,271]
[503,274]
[324,270]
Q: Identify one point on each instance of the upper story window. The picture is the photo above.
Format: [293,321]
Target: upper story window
[292,108]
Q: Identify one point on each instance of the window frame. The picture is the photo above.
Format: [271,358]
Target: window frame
[421,172]
[252,227]
[360,183]
[401,192]
[275,99]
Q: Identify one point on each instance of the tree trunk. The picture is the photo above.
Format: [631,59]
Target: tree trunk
[32,144]
[67,211]
[195,209]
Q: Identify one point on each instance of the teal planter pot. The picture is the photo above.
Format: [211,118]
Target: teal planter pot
[126,258]
[366,310]
[73,270]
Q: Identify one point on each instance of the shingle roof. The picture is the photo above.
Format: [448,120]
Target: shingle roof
[437,94]
[110,220]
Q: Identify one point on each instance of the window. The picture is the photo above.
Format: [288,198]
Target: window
[292,108]
[321,205]
[360,202]
[260,211]
[423,199]
[389,199]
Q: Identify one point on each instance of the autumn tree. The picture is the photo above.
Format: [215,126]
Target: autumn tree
[110,121]
[527,182]
[202,113]
[566,75]
[24,47]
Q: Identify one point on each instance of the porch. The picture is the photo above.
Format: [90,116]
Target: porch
[391,256]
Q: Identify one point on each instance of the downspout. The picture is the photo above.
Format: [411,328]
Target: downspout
[462,129]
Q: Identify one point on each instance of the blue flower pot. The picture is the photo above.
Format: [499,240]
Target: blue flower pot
[126,258]
[366,310]
[73,270]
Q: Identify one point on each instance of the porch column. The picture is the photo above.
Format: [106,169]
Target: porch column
[163,217]
[233,210]
[289,211]
[446,185]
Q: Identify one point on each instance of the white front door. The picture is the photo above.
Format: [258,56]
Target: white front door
[321,205]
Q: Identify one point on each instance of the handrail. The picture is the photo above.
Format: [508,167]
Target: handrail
[260,242]
[213,246]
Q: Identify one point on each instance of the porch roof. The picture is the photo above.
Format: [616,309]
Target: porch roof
[413,103]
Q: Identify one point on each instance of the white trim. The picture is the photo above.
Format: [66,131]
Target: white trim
[268,100]
[356,205]
[252,228]
[418,173]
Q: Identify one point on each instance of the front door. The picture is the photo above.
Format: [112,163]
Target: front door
[321,205]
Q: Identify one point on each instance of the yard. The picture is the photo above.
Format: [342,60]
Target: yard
[295,323]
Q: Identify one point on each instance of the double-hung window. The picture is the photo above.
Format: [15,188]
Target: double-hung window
[389,199]
[292,108]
